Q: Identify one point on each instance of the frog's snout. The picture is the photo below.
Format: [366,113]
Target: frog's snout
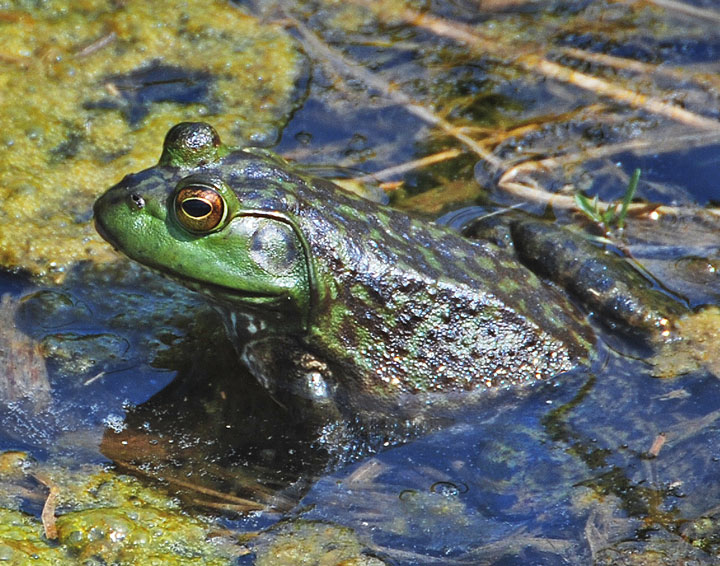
[116,197]
[99,209]
[111,207]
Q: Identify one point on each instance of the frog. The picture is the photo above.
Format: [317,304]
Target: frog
[333,296]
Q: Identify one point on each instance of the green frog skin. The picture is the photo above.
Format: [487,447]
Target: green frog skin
[323,290]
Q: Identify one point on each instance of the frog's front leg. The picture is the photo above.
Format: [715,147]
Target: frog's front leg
[284,367]
[280,363]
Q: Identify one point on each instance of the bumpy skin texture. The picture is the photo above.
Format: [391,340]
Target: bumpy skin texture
[386,302]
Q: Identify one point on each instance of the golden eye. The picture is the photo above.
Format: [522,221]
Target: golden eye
[199,208]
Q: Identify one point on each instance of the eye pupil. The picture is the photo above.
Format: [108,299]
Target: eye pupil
[199,208]
[195,207]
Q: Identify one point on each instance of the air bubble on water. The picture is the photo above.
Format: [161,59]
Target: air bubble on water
[116,423]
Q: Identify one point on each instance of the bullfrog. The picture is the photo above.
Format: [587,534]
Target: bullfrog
[326,292]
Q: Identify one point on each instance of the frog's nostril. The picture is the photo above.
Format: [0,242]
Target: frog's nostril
[137,201]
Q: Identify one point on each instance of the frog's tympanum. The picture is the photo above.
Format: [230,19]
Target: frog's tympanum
[350,294]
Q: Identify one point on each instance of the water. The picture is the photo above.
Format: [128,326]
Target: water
[565,472]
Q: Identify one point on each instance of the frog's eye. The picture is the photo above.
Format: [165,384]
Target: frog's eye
[199,208]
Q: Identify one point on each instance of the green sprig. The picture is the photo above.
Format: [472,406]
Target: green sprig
[611,216]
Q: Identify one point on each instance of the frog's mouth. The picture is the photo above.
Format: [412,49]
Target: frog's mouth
[279,300]
[199,285]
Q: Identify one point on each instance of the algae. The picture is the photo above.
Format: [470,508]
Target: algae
[695,345]
[22,542]
[313,543]
[103,517]
[88,90]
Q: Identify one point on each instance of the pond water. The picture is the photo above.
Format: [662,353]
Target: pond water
[112,372]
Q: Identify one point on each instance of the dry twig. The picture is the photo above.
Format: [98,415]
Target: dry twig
[410,165]
[47,516]
[517,179]
[657,445]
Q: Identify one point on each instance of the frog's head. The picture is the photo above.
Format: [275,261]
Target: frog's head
[181,218]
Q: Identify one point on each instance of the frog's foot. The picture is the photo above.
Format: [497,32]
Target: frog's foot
[605,284]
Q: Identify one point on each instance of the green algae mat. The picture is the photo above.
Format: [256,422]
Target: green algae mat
[90,87]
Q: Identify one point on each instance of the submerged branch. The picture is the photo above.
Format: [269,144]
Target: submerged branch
[237,503]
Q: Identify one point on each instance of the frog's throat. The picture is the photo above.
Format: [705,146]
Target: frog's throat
[252,301]
[223,293]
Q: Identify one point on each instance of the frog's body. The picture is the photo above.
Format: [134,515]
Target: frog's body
[370,296]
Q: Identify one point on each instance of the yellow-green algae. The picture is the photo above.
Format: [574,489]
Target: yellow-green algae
[311,543]
[22,542]
[137,536]
[103,516]
[109,518]
[59,148]
[695,345]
